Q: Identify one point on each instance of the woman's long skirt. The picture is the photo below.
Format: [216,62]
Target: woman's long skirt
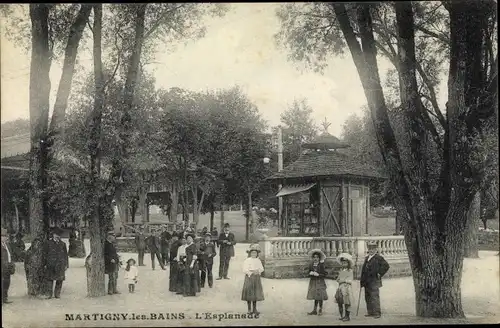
[191,281]
[179,281]
[172,279]
[317,290]
[252,289]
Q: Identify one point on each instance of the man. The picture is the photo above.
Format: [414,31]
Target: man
[111,263]
[226,244]
[56,263]
[374,268]
[165,245]
[140,244]
[8,267]
[204,231]
[153,242]
[207,252]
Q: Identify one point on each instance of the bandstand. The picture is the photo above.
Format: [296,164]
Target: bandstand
[326,204]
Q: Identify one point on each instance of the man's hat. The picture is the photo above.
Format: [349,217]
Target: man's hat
[226,225]
[57,231]
[371,244]
[4,232]
[208,234]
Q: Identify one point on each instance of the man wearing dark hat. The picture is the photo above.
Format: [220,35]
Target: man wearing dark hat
[207,253]
[140,244]
[7,267]
[165,244]
[111,263]
[226,244]
[56,262]
[374,268]
[153,242]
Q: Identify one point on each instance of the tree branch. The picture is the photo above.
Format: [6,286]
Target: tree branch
[433,98]
[158,22]
[443,38]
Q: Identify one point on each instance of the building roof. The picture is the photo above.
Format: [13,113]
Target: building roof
[15,145]
[325,141]
[327,163]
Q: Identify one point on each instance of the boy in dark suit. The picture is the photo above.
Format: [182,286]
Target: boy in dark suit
[207,252]
[226,244]
[374,268]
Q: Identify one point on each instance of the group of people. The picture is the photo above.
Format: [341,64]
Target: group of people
[55,263]
[373,269]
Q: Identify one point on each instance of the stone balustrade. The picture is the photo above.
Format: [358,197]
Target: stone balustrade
[286,256]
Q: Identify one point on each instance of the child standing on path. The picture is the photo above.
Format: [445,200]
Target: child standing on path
[131,273]
[344,291]
[317,284]
[252,287]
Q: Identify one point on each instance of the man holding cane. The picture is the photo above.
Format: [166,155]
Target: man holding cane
[226,244]
[374,268]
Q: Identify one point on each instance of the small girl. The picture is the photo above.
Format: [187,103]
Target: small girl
[252,287]
[131,273]
[344,291]
[317,284]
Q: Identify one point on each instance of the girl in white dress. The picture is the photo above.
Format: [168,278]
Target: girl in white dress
[131,274]
[252,287]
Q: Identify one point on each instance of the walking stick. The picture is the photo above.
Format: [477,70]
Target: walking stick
[359,300]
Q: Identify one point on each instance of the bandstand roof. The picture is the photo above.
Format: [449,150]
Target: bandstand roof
[327,163]
[325,141]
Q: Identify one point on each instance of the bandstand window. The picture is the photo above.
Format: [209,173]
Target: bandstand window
[302,213]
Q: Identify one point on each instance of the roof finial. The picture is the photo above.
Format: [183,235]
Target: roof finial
[326,125]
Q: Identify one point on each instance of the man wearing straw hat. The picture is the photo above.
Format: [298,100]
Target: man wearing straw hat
[7,267]
[374,268]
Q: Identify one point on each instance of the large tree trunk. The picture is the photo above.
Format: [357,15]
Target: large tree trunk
[96,278]
[39,115]
[471,241]
[68,70]
[174,199]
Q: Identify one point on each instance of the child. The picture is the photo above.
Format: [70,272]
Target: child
[252,287]
[344,291]
[317,284]
[131,273]
[207,253]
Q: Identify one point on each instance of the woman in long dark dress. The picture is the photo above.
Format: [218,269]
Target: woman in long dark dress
[172,278]
[181,265]
[317,284]
[192,271]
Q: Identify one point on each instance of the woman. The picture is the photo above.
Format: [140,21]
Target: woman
[181,265]
[192,271]
[174,247]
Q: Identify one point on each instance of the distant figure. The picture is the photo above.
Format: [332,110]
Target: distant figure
[226,242]
[204,231]
[374,268]
[252,287]
[165,245]
[172,279]
[131,274]
[153,242]
[18,247]
[207,254]
[140,244]
[111,263]
[215,236]
[8,267]
[56,262]
[76,245]
[317,285]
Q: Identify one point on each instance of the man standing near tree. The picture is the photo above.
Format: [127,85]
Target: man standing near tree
[374,268]
[56,262]
[111,263]
[140,244]
[165,244]
[153,242]
[7,267]
[226,244]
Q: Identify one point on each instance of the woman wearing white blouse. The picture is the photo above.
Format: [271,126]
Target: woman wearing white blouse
[252,287]
[181,266]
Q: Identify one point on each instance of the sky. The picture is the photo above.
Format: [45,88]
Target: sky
[238,49]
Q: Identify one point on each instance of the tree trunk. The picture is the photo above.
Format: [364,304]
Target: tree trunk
[221,218]
[39,114]
[397,223]
[471,241]
[174,198]
[142,204]
[68,70]
[95,269]
[249,214]
[196,213]
[212,215]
